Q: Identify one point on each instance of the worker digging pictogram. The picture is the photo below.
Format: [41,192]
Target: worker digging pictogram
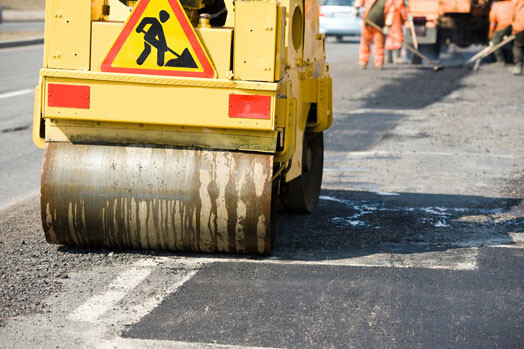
[154,36]
[158,39]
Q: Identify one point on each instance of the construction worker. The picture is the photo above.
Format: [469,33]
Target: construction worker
[153,36]
[518,30]
[500,18]
[396,17]
[373,30]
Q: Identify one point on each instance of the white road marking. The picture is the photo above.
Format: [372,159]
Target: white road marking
[135,312]
[92,310]
[17,93]
[452,259]
[125,343]
[341,156]
[96,306]
[383,193]
[514,240]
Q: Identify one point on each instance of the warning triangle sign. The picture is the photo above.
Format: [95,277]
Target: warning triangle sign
[158,39]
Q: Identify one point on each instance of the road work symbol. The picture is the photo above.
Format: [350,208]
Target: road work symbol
[154,36]
[158,39]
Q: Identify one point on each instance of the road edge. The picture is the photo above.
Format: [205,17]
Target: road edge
[20,43]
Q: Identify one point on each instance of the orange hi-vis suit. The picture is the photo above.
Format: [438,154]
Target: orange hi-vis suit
[397,15]
[518,17]
[370,35]
[500,16]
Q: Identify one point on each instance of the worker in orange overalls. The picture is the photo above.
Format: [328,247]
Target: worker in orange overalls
[373,18]
[500,18]
[396,17]
[518,30]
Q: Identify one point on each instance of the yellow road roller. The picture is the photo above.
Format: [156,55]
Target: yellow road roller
[180,125]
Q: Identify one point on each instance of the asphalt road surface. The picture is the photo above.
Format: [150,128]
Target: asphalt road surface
[20,160]
[21,26]
[417,240]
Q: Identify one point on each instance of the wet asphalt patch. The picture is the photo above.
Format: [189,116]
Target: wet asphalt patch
[348,224]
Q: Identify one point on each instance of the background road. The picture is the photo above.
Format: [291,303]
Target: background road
[20,160]
[417,240]
[21,26]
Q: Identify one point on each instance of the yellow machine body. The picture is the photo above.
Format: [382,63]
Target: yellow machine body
[115,142]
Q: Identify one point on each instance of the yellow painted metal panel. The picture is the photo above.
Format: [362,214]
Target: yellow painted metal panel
[217,42]
[230,19]
[118,11]
[68,35]
[313,41]
[255,40]
[91,132]
[103,34]
[161,105]
[294,32]
[47,37]
[280,54]
[162,80]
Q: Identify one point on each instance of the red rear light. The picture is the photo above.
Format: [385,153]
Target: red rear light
[321,13]
[68,96]
[250,106]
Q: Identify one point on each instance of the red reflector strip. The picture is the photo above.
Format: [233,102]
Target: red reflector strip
[68,96]
[250,106]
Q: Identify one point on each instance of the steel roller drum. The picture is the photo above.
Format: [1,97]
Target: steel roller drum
[157,198]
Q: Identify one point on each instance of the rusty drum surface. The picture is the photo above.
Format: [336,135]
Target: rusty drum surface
[157,198]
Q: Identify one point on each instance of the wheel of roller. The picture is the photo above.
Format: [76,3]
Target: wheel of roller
[301,194]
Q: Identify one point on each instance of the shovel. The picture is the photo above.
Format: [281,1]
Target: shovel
[487,51]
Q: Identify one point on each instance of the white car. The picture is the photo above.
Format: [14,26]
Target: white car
[338,18]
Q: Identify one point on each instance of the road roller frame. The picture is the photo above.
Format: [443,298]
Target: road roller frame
[115,142]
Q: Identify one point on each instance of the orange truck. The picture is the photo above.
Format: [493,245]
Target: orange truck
[443,22]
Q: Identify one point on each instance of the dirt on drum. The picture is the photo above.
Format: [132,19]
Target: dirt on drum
[158,198]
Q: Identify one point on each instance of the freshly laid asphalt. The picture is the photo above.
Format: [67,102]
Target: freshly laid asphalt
[340,307]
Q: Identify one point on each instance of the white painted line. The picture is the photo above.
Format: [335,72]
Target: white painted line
[133,313]
[383,111]
[383,193]
[127,343]
[514,240]
[96,306]
[17,93]
[382,153]
[452,259]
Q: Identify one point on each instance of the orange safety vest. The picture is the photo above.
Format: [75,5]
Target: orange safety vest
[396,17]
[518,16]
[500,16]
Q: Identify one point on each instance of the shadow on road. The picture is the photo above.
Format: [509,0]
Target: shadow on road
[359,131]
[417,89]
